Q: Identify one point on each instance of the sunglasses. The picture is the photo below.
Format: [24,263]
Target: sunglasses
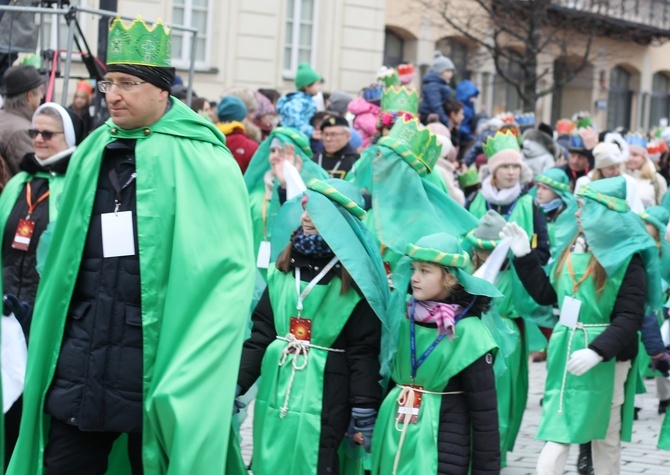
[46,134]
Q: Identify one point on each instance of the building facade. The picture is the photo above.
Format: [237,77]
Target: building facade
[260,43]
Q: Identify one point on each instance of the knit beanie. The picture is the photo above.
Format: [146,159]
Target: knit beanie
[305,76]
[339,100]
[607,154]
[441,63]
[230,109]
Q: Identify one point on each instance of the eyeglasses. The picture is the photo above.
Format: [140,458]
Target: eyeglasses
[46,134]
[331,135]
[106,86]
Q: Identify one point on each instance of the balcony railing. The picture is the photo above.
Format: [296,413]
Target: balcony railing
[653,14]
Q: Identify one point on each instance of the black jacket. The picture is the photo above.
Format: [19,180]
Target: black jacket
[619,340]
[343,160]
[19,276]
[351,378]
[97,385]
[573,176]
[468,436]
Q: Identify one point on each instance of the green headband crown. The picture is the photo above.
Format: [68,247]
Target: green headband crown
[330,192]
[415,144]
[500,142]
[400,99]
[612,202]
[469,178]
[445,259]
[138,44]
[296,136]
[551,183]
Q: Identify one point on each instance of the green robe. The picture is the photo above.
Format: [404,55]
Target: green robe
[576,409]
[197,277]
[418,454]
[292,441]
[512,385]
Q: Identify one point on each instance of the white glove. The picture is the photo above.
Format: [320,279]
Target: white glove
[583,360]
[520,243]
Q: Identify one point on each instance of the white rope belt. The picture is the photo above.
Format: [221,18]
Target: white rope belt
[582,327]
[406,401]
[300,351]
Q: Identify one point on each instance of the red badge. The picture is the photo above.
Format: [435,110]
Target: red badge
[24,233]
[404,408]
[301,328]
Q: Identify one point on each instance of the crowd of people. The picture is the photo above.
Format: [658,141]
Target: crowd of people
[374,272]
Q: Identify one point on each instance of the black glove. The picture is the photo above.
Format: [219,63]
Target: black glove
[238,405]
[363,421]
[11,304]
[662,364]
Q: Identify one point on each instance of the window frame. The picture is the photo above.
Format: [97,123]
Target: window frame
[295,38]
[52,42]
[184,62]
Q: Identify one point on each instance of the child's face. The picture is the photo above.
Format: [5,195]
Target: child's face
[313,89]
[431,281]
[545,194]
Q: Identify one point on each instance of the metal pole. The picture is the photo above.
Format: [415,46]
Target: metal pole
[68,59]
[191,70]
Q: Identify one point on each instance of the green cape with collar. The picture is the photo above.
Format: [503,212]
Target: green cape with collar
[197,277]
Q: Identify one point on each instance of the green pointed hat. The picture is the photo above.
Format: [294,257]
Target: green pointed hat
[138,44]
[469,178]
[340,197]
[417,145]
[443,249]
[558,181]
[615,234]
[486,236]
[400,99]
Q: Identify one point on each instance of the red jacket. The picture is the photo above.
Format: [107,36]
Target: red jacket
[241,146]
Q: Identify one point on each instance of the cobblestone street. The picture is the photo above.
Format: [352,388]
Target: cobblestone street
[639,456]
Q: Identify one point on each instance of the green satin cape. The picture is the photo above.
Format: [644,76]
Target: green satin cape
[197,277]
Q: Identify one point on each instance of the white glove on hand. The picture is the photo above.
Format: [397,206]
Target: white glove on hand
[520,242]
[583,360]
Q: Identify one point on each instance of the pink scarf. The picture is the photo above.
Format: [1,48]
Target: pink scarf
[442,314]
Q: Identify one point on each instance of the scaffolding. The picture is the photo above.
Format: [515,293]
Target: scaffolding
[70,16]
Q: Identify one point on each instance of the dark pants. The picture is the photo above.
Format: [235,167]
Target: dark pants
[12,424]
[74,452]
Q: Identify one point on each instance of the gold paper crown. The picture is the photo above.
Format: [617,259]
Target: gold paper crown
[400,99]
[138,44]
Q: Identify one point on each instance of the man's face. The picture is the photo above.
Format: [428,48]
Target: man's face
[577,162]
[335,138]
[139,106]
[35,98]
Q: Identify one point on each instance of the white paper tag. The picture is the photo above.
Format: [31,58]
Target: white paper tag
[14,357]
[117,234]
[263,261]
[570,312]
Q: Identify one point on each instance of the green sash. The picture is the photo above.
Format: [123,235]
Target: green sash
[418,455]
[288,441]
[576,409]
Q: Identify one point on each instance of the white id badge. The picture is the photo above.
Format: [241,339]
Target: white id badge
[117,234]
[263,261]
[570,312]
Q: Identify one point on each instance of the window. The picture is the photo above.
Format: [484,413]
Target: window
[195,14]
[394,46]
[505,95]
[300,37]
[457,51]
[619,99]
[660,99]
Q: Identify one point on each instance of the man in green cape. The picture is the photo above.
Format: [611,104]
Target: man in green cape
[140,314]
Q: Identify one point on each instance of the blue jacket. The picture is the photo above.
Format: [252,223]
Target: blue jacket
[465,91]
[296,110]
[435,93]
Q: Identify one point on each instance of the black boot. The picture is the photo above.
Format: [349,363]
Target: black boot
[663,405]
[584,461]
